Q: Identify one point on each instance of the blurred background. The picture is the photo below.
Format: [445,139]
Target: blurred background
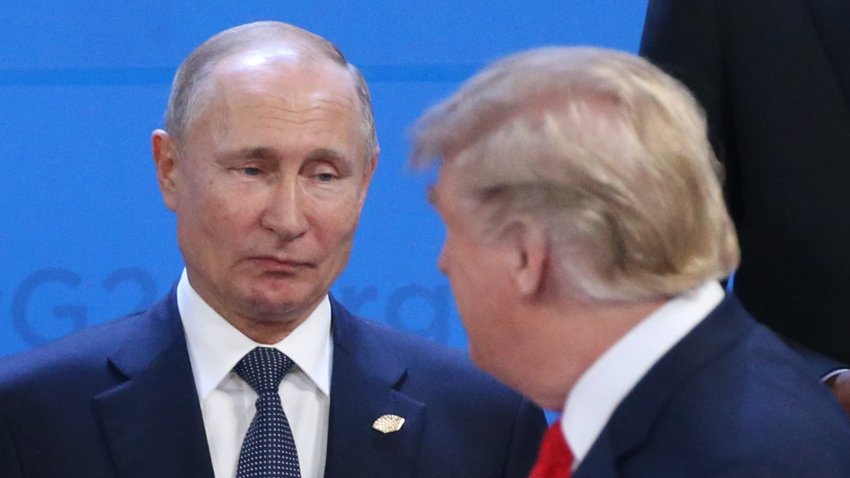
[84,235]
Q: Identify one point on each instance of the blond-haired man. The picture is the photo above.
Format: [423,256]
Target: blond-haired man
[586,234]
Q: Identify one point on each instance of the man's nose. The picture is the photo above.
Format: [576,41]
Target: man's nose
[284,211]
[441,260]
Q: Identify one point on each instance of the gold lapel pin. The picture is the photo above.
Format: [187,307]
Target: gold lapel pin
[388,423]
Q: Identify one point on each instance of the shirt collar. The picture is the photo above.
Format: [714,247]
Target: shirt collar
[606,383]
[215,346]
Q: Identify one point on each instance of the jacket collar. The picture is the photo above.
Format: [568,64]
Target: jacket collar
[632,422]
[155,412]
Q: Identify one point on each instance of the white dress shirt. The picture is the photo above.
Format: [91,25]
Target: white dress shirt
[601,388]
[227,402]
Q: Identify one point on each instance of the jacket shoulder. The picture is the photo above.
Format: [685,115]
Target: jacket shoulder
[80,360]
[756,406]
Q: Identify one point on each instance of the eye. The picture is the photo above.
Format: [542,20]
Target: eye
[250,171]
[321,171]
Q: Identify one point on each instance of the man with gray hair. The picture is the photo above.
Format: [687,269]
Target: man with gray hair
[248,368]
[586,234]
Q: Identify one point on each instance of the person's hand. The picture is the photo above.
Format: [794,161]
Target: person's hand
[839,384]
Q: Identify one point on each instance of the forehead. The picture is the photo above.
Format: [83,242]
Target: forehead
[282,103]
[285,77]
[446,194]
[279,84]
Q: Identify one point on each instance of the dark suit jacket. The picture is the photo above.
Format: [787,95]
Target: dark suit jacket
[119,400]
[774,79]
[729,400]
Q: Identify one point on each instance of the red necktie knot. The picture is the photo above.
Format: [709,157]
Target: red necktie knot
[554,460]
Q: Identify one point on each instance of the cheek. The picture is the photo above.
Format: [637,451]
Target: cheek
[333,216]
[222,212]
[478,286]
[336,234]
[217,212]
[345,193]
[460,263]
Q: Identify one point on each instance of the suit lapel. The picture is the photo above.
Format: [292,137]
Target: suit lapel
[364,387]
[632,422]
[155,413]
[600,462]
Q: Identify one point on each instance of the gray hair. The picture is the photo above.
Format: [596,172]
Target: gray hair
[188,100]
[605,150]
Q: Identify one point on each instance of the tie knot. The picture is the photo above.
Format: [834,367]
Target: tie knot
[263,368]
[554,457]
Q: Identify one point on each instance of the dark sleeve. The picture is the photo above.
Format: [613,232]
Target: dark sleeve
[684,38]
[527,432]
[9,466]
[819,364]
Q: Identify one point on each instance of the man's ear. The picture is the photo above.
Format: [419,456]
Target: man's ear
[531,255]
[165,158]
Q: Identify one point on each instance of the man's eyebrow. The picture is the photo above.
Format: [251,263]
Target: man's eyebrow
[327,154]
[259,152]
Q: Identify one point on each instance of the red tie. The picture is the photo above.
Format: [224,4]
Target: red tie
[554,459]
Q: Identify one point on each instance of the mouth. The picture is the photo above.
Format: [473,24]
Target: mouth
[276,265]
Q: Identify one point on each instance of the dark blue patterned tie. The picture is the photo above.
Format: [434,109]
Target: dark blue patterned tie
[269,449]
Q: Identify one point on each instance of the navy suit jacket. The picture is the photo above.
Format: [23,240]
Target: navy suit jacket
[729,400]
[774,79]
[119,400]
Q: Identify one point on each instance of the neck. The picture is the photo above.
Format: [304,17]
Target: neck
[569,337]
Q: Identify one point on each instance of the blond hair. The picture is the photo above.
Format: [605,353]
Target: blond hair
[606,151]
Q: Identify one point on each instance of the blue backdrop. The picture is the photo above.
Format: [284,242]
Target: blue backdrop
[84,235]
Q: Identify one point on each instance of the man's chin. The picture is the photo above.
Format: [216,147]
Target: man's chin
[278,309]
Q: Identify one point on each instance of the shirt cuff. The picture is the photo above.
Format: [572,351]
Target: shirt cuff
[826,378]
